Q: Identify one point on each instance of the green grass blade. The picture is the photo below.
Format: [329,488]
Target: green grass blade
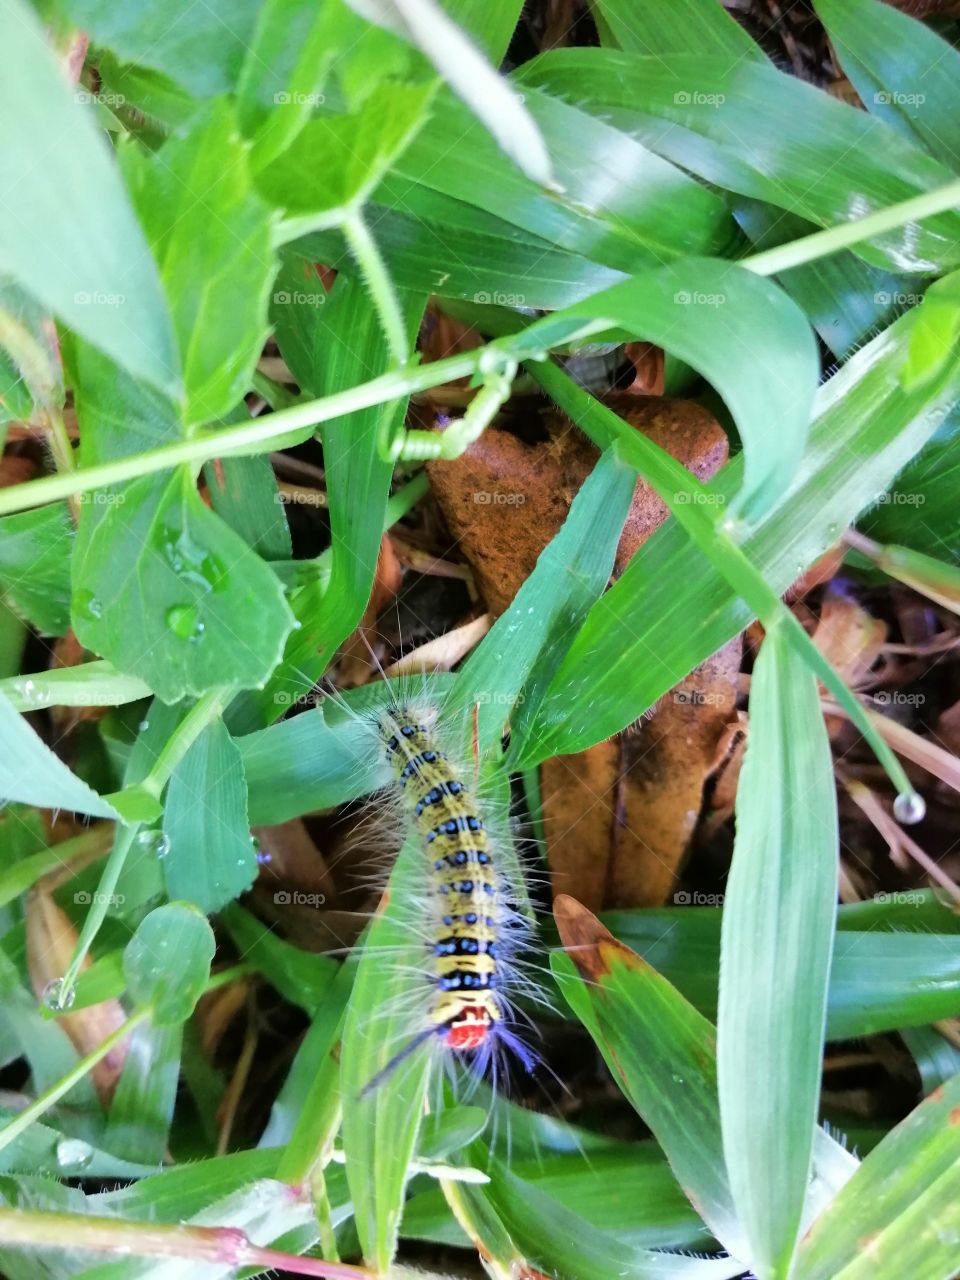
[358,477]
[904,73]
[563,1241]
[777,940]
[138,1127]
[756,131]
[670,602]
[687,26]
[621,204]
[380,1130]
[32,774]
[662,1053]
[936,1058]
[879,980]
[900,1213]
[712,316]
[91,684]
[526,643]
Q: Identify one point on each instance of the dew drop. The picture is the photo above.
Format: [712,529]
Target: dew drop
[87,605]
[144,725]
[193,563]
[184,621]
[154,841]
[909,808]
[57,997]
[73,1153]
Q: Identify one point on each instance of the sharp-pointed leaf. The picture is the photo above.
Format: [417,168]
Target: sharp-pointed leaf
[752,129]
[32,774]
[380,1128]
[570,574]
[904,72]
[662,1054]
[776,944]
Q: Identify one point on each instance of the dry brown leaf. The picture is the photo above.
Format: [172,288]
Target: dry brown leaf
[503,500]
[821,571]
[725,776]
[356,662]
[51,939]
[618,817]
[215,1012]
[948,728]
[849,637]
[648,362]
[579,796]
[851,640]
[667,764]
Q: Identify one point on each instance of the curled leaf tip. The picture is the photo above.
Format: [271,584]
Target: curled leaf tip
[587,942]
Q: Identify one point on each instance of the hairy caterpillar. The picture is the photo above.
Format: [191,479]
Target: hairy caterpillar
[472,924]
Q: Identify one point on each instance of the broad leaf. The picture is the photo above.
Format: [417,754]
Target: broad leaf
[85,258]
[167,962]
[210,859]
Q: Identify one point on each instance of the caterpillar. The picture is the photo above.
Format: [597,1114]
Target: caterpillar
[471,912]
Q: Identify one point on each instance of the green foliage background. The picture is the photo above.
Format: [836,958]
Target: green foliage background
[672,185]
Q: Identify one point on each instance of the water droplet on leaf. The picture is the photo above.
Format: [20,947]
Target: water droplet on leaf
[87,605]
[184,621]
[57,997]
[73,1153]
